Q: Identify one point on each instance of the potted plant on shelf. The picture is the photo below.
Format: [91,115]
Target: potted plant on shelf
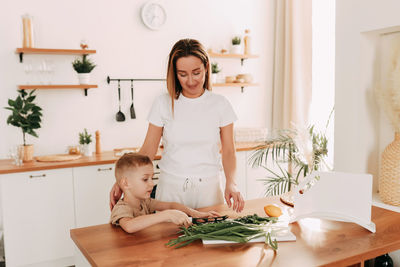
[83,68]
[214,72]
[27,116]
[235,48]
[84,140]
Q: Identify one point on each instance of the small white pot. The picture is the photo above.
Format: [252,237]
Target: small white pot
[84,78]
[214,77]
[236,49]
[86,150]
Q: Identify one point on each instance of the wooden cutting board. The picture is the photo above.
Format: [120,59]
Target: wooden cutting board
[57,157]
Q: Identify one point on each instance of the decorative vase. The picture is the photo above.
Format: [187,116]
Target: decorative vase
[84,78]
[86,150]
[236,49]
[389,175]
[26,153]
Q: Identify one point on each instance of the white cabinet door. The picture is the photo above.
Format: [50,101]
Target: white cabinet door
[92,185]
[38,213]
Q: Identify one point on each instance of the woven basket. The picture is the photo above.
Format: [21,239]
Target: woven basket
[389,177]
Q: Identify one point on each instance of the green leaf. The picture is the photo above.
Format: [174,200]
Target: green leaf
[33,133]
[18,103]
[11,102]
[31,98]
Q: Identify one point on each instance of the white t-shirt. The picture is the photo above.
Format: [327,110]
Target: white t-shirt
[191,138]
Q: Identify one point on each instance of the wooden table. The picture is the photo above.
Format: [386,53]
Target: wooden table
[319,242]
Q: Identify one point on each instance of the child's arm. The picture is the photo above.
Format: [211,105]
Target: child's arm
[191,212]
[132,225]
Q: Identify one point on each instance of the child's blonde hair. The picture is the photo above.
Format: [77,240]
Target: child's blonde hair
[130,161]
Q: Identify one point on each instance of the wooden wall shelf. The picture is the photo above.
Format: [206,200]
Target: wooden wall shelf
[22,51]
[242,57]
[242,85]
[58,86]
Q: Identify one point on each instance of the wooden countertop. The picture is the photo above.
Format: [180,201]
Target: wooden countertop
[107,157]
[319,242]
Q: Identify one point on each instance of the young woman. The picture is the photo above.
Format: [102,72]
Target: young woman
[197,129]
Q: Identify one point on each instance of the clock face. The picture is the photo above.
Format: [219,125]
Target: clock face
[153,15]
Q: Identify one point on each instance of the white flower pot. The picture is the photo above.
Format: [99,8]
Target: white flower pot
[214,77]
[236,49]
[86,150]
[84,78]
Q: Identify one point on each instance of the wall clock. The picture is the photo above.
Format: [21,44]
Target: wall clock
[153,15]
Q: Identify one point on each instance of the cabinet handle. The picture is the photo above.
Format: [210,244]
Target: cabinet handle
[37,176]
[105,169]
[155,178]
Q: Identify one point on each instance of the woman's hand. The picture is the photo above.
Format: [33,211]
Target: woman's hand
[115,195]
[231,192]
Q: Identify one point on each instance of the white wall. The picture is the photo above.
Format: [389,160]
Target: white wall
[360,131]
[357,115]
[323,71]
[125,49]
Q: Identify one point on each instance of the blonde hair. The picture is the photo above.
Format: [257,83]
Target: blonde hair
[185,48]
[130,161]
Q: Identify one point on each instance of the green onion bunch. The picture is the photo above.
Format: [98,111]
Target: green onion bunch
[240,230]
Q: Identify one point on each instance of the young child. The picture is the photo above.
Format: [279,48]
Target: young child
[135,211]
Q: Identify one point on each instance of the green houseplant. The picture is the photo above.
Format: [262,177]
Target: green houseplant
[235,49]
[27,116]
[295,153]
[83,67]
[84,140]
[214,72]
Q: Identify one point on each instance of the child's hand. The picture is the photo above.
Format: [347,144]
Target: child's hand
[208,214]
[177,217]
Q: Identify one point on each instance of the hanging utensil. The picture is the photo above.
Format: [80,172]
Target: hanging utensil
[132,109]
[119,116]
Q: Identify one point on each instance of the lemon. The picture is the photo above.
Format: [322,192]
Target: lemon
[273,211]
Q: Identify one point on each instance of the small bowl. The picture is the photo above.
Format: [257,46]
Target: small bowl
[238,80]
[247,77]
[230,79]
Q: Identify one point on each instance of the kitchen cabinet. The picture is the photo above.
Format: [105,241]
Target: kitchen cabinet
[92,185]
[38,212]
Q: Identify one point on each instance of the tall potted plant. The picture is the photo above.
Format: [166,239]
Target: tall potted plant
[83,67]
[27,116]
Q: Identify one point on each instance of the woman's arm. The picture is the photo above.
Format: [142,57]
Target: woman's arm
[229,164]
[152,141]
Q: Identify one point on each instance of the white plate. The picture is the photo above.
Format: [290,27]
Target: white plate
[280,237]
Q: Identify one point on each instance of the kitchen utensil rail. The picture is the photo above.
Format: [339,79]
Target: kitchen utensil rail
[132,80]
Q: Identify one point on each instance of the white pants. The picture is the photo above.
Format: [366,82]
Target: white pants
[194,192]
